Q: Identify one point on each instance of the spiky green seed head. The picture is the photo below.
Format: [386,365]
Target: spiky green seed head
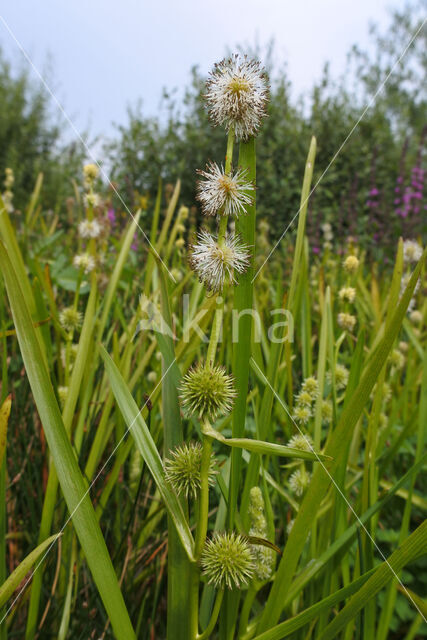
[182,469]
[207,392]
[70,319]
[227,560]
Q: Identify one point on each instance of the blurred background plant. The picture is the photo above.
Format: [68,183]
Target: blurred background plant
[375,184]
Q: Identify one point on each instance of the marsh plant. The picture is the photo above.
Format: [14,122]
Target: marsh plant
[206,467]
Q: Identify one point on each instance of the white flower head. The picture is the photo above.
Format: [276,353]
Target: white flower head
[302,414]
[301,441]
[213,263]
[70,318]
[84,261]
[237,95]
[9,178]
[347,294]
[346,321]
[351,264]
[89,229]
[224,194]
[299,481]
[92,200]
[62,395]
[90,171]
[341,376]
[412,251]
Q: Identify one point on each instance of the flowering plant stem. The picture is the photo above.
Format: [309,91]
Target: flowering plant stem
[243,300]
[218,316]
[214,617]
[202,521]
[201,531]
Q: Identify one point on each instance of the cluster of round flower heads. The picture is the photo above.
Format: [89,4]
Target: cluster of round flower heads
[237,95]
[90,228]
[347,295]
[7,195]
[328,235]
[263,556]
[213,261]
[182,469]
[303,410]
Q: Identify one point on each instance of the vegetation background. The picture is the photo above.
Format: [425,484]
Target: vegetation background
[374,192]
[378,157]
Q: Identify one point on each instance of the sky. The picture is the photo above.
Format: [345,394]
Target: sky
[100,56]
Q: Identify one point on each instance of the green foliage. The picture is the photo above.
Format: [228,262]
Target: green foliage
[31,140]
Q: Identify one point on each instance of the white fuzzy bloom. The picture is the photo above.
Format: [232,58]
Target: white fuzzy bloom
[416,316]
[7,197]
[327,232]
[299,481]
[224,194]
[347,293]
[91,171]
[301,441]
[341,376]
[412,251]
[237,95]
[89,229]
[302,414]
[403,284]
[346,321]
[213,263]
[92,200]
[84,261]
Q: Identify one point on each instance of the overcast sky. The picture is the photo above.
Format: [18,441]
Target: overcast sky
[106,54]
